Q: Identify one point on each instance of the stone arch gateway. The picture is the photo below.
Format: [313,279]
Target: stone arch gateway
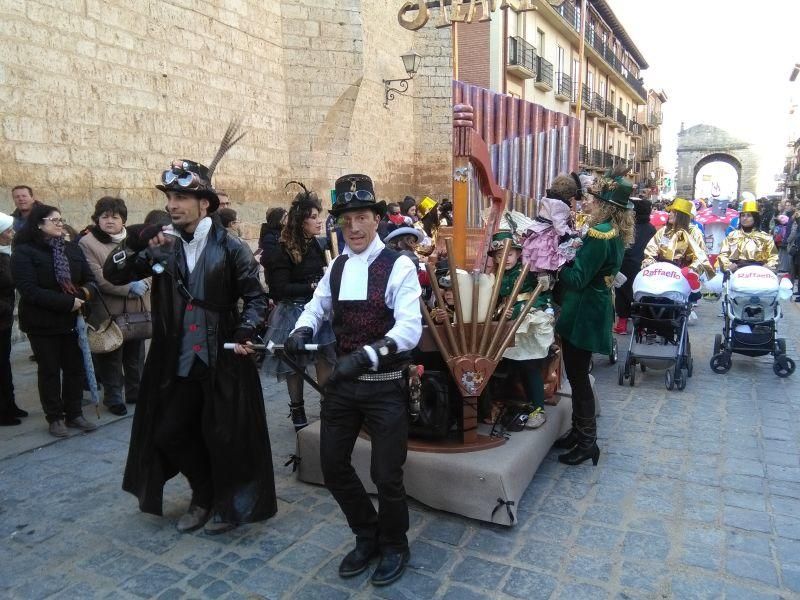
[704,144]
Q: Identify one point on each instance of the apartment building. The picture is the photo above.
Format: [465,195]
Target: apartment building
[650,118]
[535,55]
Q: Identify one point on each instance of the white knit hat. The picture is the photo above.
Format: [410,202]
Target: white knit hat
[6,221]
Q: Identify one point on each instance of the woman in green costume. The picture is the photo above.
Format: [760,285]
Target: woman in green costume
[586,306]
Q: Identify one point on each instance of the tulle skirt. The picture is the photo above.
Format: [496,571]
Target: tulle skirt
[282,321]
[542,251]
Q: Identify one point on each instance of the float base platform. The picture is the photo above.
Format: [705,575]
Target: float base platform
[464,483]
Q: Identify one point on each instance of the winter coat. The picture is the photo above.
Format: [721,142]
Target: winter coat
[290,281]
[634,255]
[44,308]
[96,246]
[234,426]
[7,297]
[586,311]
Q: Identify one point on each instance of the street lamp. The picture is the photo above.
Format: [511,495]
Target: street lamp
[411,63]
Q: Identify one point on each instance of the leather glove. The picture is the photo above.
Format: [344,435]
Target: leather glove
[139,235]
[296,343]
[138,288]
[351,366]
[243,335]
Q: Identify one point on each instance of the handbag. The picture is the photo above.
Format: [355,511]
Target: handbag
[102,332]
[103,341]
[135,325]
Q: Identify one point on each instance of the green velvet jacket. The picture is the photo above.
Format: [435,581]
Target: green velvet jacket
[507,286]
[587,311]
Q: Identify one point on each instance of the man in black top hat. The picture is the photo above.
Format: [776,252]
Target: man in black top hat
[372,294]
[200,410]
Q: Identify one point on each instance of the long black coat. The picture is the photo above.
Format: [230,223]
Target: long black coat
[6,293]
[234,424]
[44,308]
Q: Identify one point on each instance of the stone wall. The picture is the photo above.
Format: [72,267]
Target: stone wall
[99,95]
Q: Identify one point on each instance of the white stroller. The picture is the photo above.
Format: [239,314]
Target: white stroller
[660,313]
[751,307]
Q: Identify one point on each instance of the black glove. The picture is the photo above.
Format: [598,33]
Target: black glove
[296,343]
[242,335]
[139,235]
[351,366]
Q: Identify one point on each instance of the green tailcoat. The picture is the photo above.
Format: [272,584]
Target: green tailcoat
[586,308]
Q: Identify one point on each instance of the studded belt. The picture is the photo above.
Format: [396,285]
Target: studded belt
[385,376]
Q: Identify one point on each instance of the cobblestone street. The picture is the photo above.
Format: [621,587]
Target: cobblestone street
[696,495]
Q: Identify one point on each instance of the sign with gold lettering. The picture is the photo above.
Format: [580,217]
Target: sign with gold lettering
[414,14]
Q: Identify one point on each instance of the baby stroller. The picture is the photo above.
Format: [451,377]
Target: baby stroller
[660,314]
[751,307]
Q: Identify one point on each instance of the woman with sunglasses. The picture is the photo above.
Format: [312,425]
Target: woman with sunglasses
[52,275]
[295,268]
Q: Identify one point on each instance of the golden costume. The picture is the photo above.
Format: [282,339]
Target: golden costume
[682,248]
[750,247]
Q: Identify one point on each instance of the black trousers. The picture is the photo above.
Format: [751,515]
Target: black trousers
[623,296]
[60,375]
[179,435]
[6,379]
[576,364]
[382,408]
[118,369]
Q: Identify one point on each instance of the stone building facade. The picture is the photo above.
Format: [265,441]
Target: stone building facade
[99,96]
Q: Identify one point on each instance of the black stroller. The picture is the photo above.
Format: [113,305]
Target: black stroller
[751,308]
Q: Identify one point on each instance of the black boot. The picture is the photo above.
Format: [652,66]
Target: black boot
[9,420]
[297,413]
[391,567]
[586,432]
[577,455]
[567,441]
[357,560]
[16,411]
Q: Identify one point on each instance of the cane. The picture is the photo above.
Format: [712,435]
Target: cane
[278,349]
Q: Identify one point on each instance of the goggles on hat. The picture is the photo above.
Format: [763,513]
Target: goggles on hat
[364,195]
[181,177]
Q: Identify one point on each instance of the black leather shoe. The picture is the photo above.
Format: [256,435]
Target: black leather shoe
[567,441]
[17,412]
[391,568]
[577,455]
[118,409]
[357,560]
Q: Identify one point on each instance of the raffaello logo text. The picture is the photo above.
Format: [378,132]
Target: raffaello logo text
[765,275]
[661,272]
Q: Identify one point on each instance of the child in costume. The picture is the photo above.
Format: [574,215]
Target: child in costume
[535,334]
[680,243]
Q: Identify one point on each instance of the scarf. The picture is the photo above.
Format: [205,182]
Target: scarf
[61,265]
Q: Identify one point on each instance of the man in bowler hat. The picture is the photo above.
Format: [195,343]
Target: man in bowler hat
[372,294]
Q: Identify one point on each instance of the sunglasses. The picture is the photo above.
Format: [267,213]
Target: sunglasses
[184,179]
[358,195]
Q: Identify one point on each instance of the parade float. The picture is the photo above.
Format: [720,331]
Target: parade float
[505,153]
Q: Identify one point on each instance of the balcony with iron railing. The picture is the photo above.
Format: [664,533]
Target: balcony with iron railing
[608,111]
[563,86]
[522,58]
[622,119]
[608,160]
[583,155]
[544,74]
[596,158]
[634,128]
[656,146]
[654,119]
[572,17]
[646,153]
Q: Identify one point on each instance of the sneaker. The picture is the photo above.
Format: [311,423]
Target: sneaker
[58,430]
[118,409]
[621,327]
[81,423]
[536,419]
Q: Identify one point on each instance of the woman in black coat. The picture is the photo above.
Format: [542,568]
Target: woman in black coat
[632,263]
[52,275]
[270,236]
[294,270]
[9,411]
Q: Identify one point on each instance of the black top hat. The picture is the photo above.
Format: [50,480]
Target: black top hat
[354,192]
[190,177]
[194,178]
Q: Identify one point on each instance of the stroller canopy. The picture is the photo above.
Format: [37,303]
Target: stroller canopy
[661,280]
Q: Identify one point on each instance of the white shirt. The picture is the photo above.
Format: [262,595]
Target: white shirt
[402,296]
[192,250]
